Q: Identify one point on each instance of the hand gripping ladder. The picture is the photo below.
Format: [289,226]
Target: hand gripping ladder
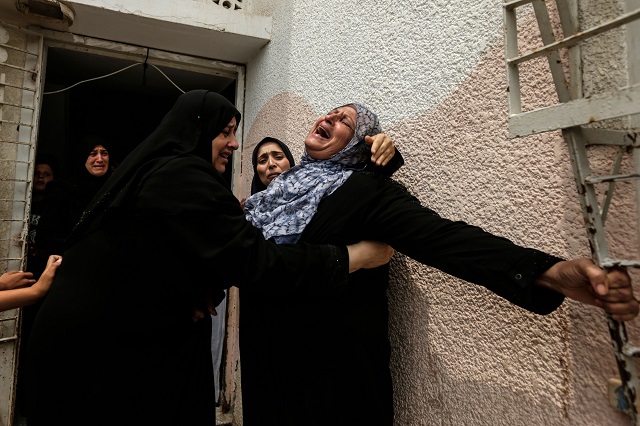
[573,115]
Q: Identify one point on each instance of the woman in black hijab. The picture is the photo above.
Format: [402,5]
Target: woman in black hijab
[115,340]
[258,183]
[94,169]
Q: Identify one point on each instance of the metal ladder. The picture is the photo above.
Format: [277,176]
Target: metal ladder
[573,115]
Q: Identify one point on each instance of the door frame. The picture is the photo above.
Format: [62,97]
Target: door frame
[51,38]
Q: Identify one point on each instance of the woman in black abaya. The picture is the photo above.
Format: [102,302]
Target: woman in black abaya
[327,356]
[115,341]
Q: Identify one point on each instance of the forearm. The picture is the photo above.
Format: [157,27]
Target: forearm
[19,297]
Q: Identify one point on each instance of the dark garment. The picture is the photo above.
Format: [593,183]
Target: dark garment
[114,341]
[115,338]
[43,207]
[325,359]
[82,190]
[63,211]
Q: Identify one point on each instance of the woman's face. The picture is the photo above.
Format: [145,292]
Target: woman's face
[271,161]
[42,176]
[331,133]
[223,146]
[98,161]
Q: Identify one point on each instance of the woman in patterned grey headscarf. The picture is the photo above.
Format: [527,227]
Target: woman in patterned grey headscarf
[285,208]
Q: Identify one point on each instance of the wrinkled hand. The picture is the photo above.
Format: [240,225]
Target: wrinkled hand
[582,280]
[368,254]
[16,279]
[382,148]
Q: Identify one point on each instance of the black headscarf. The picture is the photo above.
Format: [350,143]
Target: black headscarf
[85,185]
[193,122]
[256,183]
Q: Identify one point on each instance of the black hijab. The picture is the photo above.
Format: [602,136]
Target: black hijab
[193,122]
[85,185]
[256,183]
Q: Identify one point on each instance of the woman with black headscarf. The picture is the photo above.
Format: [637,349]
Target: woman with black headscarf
[95,166]
[115,341]
[270,157]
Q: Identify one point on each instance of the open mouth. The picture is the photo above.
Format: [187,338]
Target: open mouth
[322,132]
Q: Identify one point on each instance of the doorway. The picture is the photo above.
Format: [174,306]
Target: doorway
[121,100]
[120,93]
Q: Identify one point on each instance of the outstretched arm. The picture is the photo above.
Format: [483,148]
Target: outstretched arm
[582,280]
[19,297]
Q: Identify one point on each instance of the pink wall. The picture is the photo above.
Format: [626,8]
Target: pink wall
[461,355]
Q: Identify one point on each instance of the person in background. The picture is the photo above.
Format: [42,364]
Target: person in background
[96,168]
[115,340]
[93,168]
[40,248]
[43,195]
[271,157]
[326,356]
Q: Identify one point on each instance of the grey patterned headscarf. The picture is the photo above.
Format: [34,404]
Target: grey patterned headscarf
[286,207]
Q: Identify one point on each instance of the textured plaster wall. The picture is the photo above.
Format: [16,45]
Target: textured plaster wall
[434,72]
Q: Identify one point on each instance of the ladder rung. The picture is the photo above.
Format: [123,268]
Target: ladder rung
[624,101]
[613,178]
[516,3]
[610,137]
[576,38]
[610,263]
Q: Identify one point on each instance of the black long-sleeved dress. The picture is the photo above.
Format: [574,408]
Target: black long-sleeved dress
[324,359]
[114,342]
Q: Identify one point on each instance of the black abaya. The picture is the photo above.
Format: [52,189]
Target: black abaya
[114,342]
[324,359]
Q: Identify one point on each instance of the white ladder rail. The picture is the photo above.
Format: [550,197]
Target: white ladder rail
[575,111]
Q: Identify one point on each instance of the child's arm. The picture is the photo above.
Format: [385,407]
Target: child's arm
[19,297]
[15,279]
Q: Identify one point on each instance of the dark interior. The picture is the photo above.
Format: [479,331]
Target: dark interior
[123,108]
